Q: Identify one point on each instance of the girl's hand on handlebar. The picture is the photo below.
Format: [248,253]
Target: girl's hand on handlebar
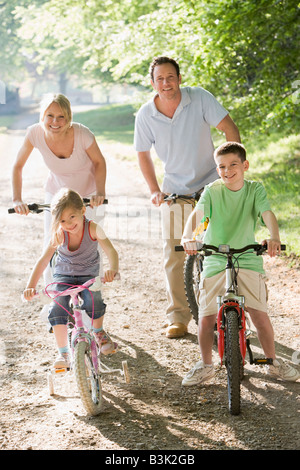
[274,247]
[29,293]
[109,275]
[96,200]
[21,208]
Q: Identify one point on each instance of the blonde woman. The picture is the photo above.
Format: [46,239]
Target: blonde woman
[69,150]
[76,240]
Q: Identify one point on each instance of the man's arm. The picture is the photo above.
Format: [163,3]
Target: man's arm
[230,129]
[148,170]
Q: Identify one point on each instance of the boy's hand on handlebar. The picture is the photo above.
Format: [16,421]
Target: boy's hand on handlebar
[21,208]
[96,200]
[190,246]
[29,293]
[274,247]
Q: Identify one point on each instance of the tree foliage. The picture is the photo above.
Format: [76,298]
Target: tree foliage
[243,51]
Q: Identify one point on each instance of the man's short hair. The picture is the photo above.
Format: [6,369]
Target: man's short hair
[231,147]
[162,60]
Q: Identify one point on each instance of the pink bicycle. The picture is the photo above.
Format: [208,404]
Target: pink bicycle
[85,354]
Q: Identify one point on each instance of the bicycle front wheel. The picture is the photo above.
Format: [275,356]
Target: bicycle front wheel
[87,378]
[233,361]
[192,272]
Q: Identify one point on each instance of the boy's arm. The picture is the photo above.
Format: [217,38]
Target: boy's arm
[98,233]
[194,219]
[37,271]
[272,225]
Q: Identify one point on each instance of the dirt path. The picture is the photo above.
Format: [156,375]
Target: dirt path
[153,412]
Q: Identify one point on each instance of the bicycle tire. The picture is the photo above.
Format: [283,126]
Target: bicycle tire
[192,273]
[233,362]
[88,380]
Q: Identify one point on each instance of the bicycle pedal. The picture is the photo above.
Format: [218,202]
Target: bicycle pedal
[263,361]
[61,370]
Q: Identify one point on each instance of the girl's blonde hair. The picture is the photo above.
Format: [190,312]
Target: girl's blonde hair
[61,100]
[64,199]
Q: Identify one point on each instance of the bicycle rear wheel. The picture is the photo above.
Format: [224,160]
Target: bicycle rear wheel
[192,272]
[233,361]
[87,378]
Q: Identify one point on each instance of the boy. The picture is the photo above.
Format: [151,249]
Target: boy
[233,206]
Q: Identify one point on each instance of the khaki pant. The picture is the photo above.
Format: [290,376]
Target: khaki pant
[251,285]
[174,218]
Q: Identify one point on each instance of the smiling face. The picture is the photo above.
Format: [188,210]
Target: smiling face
[72,220]
[166,81]
[55,121]
[231,170]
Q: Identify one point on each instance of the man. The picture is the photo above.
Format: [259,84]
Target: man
[177,123]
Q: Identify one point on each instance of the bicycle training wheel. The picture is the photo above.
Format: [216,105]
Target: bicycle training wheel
[87,378]
[233,361]
[192,272]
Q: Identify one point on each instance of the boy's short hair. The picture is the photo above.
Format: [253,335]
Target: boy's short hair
[231,147]
[162,60]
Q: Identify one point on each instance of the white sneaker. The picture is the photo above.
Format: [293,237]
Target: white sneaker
[62,361]
[281,370]
[198,374]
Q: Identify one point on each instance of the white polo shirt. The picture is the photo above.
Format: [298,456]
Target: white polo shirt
[182,142]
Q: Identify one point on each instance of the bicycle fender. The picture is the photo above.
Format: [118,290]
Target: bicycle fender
[221,330]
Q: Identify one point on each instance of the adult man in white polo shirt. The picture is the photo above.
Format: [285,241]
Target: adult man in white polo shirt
[177,123]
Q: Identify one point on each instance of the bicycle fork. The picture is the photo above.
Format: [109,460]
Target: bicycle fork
[231,301]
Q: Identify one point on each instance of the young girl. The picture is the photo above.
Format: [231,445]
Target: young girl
[76,240]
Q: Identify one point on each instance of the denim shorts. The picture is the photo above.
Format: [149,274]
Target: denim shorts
[58,316]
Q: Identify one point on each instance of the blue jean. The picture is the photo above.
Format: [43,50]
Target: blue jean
[58,316]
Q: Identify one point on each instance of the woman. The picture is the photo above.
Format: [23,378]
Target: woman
[69,150]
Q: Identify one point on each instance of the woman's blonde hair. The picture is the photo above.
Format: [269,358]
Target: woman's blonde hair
[61,100]
[63,199]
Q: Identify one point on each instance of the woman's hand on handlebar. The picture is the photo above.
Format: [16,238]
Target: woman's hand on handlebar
[96,200]
[21,208]
[274,247]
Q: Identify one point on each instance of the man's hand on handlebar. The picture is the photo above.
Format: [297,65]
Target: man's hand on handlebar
[157,198]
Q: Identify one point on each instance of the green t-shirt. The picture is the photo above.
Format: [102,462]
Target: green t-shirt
[232,219]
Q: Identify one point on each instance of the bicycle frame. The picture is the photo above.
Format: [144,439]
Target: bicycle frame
[79,332]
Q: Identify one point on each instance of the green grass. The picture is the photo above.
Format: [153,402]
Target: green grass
[274,160]
[6,121]
[277,166]
[114,123]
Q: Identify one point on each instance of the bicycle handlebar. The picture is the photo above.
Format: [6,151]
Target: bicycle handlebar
[174,196]
[225,249]
[93,284]
[37,208]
